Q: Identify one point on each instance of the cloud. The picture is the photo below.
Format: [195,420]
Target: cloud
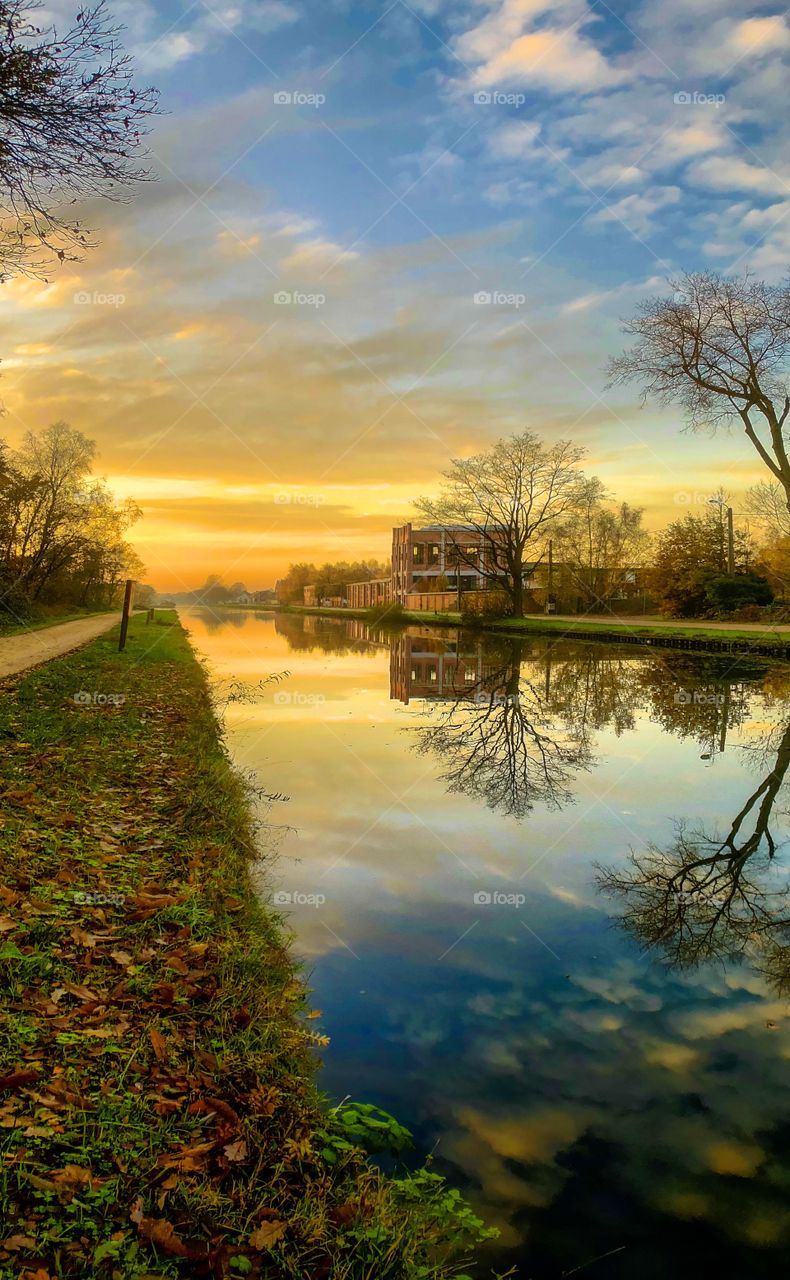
[637,210]
[732,173]
[161,51]
[508,49]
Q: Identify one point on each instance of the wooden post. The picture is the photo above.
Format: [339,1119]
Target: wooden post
[550,588]
[730,543]
[127,604]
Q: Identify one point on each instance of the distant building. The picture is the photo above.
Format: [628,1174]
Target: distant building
[446,558]
[364,595]
[433,566]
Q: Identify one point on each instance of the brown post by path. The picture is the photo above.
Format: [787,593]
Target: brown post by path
[127,604]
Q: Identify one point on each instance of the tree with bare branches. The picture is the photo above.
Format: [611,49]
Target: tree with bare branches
[720,348]
[513,498]
[72,125]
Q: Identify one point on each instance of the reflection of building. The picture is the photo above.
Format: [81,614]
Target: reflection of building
[424,666]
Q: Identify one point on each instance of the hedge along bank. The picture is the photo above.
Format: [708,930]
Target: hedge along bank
[158,1109]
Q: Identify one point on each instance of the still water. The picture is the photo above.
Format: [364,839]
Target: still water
[541,892]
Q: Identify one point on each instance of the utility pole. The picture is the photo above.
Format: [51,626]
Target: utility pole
[550,587]
[721,504]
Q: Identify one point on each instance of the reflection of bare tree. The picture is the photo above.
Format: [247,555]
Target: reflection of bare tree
[499,743]
[309,632]
[710,896]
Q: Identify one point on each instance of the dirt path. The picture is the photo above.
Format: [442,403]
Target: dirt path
[30,648]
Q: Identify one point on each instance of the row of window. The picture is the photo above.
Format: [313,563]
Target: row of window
[428,553]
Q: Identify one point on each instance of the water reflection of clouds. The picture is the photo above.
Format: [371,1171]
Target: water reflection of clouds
[584,1083]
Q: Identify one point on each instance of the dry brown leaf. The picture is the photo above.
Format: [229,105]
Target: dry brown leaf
[18,1242]
[267,1234]
[83,938]
[158,1044]
[236,1151]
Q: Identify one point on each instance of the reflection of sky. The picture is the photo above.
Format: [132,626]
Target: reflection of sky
[586,1097]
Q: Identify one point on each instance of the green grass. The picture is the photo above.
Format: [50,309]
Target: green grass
[540,625]
[158,1110]
[13,627]
[734,631]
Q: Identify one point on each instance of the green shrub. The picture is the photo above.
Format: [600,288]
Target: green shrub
[730,591]
[392,614]
[484,606]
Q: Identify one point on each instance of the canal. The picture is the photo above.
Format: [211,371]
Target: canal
[540,889]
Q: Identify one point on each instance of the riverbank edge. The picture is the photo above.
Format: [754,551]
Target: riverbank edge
[43,624]
[158,1105]
[658,635]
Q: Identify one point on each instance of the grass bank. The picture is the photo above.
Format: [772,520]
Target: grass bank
[603,629]
[10,626]
[158,1110]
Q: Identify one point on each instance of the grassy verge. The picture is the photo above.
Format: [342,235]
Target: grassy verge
[158,1112]
[734,631]
[14,627]
[551,626]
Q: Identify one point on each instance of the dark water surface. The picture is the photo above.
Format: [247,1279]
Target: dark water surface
[542,891]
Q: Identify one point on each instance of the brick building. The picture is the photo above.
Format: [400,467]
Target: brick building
[421,558]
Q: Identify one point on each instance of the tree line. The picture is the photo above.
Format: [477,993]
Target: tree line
[62,532]
[330,580]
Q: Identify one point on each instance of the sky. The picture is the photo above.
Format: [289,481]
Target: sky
[382,235]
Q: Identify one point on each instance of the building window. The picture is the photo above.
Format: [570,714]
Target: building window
[416,552]
[434,554]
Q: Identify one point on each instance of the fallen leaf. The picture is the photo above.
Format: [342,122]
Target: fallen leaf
[158,1044]
[17,1080]
[18,1242]
[268,1234]
[83,938]
[236,1151]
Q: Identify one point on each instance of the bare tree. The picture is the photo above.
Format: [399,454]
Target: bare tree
[512,497]
[71,127]
[719,348]
[599,546]
[765,502]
